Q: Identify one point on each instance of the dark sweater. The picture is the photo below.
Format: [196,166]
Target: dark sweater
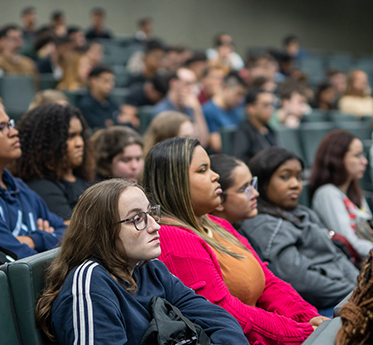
[99,307]
[60,196]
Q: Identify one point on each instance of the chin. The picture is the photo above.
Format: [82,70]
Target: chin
[253,213]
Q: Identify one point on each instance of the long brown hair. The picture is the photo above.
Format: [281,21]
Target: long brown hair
[93,233]
[357,314]
[350,90]
[329,165]
[166,180]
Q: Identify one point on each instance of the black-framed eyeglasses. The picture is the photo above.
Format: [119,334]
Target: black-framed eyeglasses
[5,127]
[140,220]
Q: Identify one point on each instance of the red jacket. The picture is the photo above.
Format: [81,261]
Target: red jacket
[281,315]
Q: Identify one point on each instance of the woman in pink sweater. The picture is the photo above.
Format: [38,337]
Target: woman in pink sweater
[210,257]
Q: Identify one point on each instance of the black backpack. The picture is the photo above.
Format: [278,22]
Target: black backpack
[170,326]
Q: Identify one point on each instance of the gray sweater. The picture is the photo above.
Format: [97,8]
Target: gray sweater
[303,255]
[328,203]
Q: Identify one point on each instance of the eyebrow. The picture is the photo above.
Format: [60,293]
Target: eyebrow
[290,170]
[203,165]
[136,210]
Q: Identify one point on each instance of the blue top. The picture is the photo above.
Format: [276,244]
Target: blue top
[218,118]
[20,207]
[93,308]
[165,105]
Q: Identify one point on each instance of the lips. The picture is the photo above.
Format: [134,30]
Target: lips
[155,239]
[16,144]
[218,190]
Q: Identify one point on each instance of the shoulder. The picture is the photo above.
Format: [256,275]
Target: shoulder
[328,191]
[210,107]
[86,100]
[26,60]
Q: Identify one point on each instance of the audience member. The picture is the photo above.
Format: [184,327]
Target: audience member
[77,38]
[356,314]
[139,95]
[225,108]
[168,124]
[75,71]
[292,47]
[98,108]
[338,79]
[198,64]
[325,97]
[357,100]
[48,96]
[11,62]
[265,83]
[254,134]
[144,65]
[293,106]
[26,225]
[173,58]
[57,159]
[94,54]
[118,275]
[292,237]
[58,23]
[336,195]
[223,53]
[181,97]
[240,190]
[97,29]
[119,153]
[211,83]
[209,256]
[29,20]
[145,26]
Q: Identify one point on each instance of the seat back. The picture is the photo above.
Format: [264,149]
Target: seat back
[326,333]
[8,326]
[145,115]
[27,280]
[361,130]
[227,139]
[289,139]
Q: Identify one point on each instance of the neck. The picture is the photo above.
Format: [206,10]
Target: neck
[173,97]
[199,220]
[258,125]
[96,95]
[30,27]
[8,54]
[344,187]
[69,176]
[219,101]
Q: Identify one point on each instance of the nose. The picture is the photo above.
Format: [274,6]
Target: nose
[214,176]
[295,183]
[134,164]
[12,132]
[79,142]
[152,225]
[255,194]
[364,161]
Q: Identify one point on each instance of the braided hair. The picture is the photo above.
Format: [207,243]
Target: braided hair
[357,314]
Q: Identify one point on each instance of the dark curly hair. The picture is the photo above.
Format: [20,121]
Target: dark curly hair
[43,134]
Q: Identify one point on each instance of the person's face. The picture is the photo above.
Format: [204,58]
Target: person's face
[104,83]
[355,161]
[263,108]
[30,19]
[198,68]
[285,185]
[339,82]
[360,82]
[293,48]
[75,143]
[213,81]
[95,53]
[186,81]
[236,206]
[129,163]
[13,41]
[78,39]
[234,95]
[186,130]
[10,148]
[296,104]
[328,95]
[171,62]
[154,59]
[147,28]
[204,186]
[138,245]
[98,19]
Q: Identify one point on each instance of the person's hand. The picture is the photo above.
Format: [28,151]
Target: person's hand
[191,101]
[44,226]
[26,240]
[317,320]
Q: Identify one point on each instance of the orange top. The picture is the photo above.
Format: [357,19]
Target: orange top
[243,277]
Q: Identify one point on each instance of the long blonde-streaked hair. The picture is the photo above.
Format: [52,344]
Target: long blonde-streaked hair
[93,233]
[350,91]
[166,180]
[71,77]
[164,126]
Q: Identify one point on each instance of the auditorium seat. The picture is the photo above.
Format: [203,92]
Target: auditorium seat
[337,117]
[27,280]
[47,81]
[227,139]
[325,334]
[343,62]
[289,139]
[338,307]
[8,326]
[119,95]
[314,67]
[317,115]
[145,115]
[360,129]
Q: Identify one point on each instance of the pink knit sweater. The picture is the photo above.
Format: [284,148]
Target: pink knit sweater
[281,315]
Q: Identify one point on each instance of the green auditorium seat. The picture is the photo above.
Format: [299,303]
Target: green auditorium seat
[145,115]
[338,307]
[17,92]
[27,279]
[311,135]
[317,115]
[314,67]
[337,117]
[74,96]
[289,139]
[360,129]
[227,139]
[8,326]
[47,81]
[119,95]
[344,62]
[325,334]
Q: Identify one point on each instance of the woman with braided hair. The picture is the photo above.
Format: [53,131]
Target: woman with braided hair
[357,313]
[57,161]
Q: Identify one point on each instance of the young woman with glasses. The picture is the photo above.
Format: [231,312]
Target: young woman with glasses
[292,237]
[208,254]
[100,286]
[337,197]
